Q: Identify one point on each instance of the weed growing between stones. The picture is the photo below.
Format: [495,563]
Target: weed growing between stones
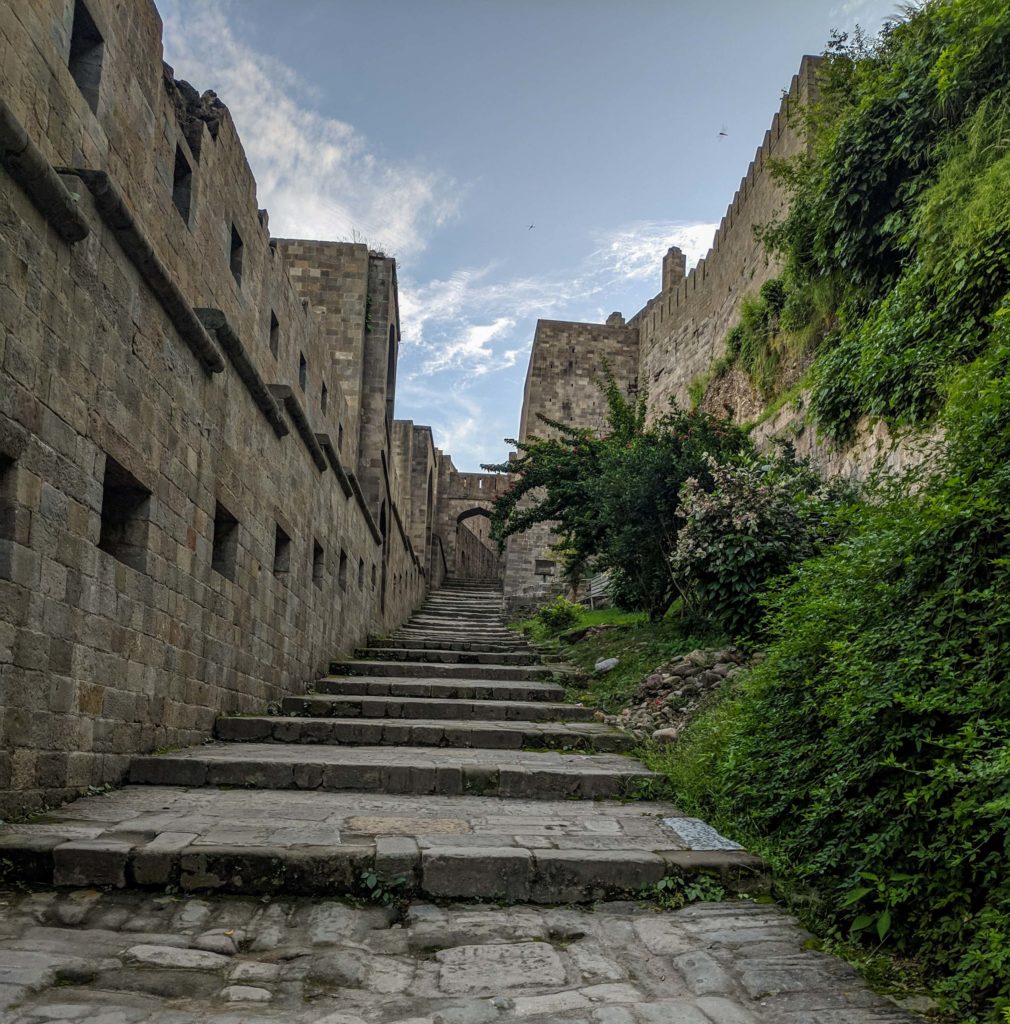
[387,892]
[676,891]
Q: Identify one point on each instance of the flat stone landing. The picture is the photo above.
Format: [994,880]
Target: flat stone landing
[131,958]
[319,842]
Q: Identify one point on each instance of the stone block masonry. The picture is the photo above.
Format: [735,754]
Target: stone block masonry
[201,501]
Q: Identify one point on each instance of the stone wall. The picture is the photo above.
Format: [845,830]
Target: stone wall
[460,497]
[682,330]
[476,558]
[566,362]
[200,504]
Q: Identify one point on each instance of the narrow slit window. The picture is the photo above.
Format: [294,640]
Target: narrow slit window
[373,575]
[87,50]
[340,438]
[235,256]
[182,184]
[318,563]
[303,371]
[282,553]
[275,334]
[8,506]
[224,542]
[324,398]
[126,516]
[342,573]
[361,574]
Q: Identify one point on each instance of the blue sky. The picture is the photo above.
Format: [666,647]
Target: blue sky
[440,130]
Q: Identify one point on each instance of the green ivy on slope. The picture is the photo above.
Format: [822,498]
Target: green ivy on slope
[867,756]
[896,246]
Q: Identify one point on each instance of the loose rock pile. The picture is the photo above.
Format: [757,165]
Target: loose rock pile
[668,698]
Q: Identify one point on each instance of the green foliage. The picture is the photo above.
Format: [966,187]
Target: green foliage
[901,211]
[613,500]
[762,515]
[558,615]
[385,891]
[867,755]
[676,891]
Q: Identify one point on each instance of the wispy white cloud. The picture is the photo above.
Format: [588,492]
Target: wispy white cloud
[868,14]
[480,320]
[317,175]
[636,252]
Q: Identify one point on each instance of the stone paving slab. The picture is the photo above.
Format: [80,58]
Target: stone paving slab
[367,705]
[433,732]
[131,958]
[267,841]
[504,773]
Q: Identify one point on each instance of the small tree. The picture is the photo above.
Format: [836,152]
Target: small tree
[613,499]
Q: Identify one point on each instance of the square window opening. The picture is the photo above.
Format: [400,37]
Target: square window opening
[87,51]
[235,256]
[224,542]
[544,567]
[303,371]
[342,572]
[282,553]
[182,184]
[275,334]
[126,516]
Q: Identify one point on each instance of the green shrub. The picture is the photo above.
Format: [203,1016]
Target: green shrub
[559,614]
[612,501]
[868,755]
[761,516]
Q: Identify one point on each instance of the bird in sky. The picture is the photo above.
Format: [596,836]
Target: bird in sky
[531,227]
[723,132]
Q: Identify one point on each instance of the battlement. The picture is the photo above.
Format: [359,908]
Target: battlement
[682,329]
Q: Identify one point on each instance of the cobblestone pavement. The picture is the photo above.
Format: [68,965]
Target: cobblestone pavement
[130,958]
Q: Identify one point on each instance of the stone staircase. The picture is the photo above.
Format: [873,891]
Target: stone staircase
[443,757]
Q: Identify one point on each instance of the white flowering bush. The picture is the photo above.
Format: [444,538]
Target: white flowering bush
[761,516]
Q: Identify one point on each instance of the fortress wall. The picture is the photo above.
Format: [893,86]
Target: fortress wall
[566,361]
[683,329]
[181,532]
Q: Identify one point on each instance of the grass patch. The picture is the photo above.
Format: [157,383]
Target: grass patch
[640,647]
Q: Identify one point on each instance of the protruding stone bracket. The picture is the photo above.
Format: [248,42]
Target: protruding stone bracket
[216,322]
[117,217]
[369,518]
[334,460]
[284,395]
[27,165]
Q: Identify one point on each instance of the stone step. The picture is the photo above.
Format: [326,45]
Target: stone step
[435,670]
[468,636]
[475,615]
[426,732]
[468,646]
[496,709]
[421,654]
[460,629]
[448,689]
[287,842]
[511,774]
